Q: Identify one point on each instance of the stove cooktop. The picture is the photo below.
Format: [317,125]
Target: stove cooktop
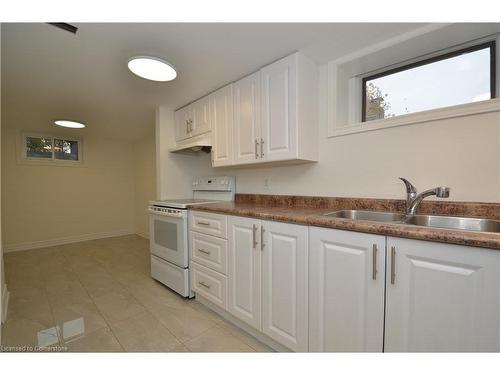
[181,203]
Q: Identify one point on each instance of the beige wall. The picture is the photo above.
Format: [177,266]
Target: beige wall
[145,182]
[43,204]
[462,153]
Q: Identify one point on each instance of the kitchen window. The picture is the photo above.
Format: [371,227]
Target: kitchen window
[51,149]
[454,78]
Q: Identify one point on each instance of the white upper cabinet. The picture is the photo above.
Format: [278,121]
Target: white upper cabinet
[274,116]
[278,139]
[346,291]
[284,283]
[289,110]
[246,119]
[441,298]
[182,123]
[221,114]
[200,116]
[244,270]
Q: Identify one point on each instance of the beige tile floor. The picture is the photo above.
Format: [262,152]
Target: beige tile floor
[98,296]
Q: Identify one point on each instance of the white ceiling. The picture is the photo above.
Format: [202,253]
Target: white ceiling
[48,73]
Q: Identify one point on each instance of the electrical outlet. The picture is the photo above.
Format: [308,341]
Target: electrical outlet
[267,182]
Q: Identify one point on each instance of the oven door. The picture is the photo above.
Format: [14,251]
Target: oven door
[168,237]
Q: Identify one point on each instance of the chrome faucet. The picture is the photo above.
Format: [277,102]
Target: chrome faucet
[413,199]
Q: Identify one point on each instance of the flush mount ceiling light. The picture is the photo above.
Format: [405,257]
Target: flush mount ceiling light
[69,124]
[152,68]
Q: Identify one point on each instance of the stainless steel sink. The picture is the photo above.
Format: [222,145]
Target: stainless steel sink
[446,222]
[460,223]
[367,215]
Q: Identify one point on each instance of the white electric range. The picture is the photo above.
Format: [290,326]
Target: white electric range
[168,230]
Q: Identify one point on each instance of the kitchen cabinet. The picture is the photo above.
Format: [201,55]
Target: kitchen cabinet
[200,116]
[244,270]
[246,119]
[284,283]
[328,290]
[441,298]
[267,278]
[182,123]
[268,116]
[221,113]
[278,139]
[275,113]
[192,120]
[346,291]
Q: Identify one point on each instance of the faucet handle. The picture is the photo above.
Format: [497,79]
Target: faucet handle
[410,189]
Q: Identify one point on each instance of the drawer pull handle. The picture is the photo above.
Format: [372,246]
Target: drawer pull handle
[262,230]
[204,251]
[254,236]
[393,264]
[203,284]
[203,223]
[374,263]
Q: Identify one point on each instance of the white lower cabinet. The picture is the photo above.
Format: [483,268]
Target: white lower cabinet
[441,298]
[284,284]
[244,270]
[267,278]
[346,291]
[327,290]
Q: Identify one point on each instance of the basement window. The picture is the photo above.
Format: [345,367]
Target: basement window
[458,77]
[53,149]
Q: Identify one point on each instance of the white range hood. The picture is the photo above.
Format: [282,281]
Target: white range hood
[202,142]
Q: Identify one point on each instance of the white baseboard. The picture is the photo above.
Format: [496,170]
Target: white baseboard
[5,303]
[143,235]
[7,248]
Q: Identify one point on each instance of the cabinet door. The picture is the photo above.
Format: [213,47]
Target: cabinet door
[244,270]
[279,109]
[200,116]
[182,117]
[221,113]
[246,96]
[441,297]
[346,291]
[284,284]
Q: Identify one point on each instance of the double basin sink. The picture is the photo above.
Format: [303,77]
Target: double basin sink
[446,222]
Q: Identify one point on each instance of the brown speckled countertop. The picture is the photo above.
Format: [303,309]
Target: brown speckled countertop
[310,211]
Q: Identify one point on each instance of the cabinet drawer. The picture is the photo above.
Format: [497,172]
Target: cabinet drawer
[209,251]
[208,223]
[209,284]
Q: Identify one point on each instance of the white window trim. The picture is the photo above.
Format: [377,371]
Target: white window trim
[22,157]
[348,120]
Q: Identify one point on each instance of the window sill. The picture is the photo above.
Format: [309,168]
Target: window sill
[492,105]
[51,163]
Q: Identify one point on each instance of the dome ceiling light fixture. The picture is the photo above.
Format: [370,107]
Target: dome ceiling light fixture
[152,68]
[69,124]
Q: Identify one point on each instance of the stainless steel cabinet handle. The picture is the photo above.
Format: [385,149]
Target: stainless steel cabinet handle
[393,264]
[261,148]
[254,234]
[204,251]
[202,223]
[203,284]
[190,125]
[256,146]
[374,267]
[187,126]
[262,230]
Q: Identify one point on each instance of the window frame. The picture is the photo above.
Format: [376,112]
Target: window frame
[489,44]
[53,160]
